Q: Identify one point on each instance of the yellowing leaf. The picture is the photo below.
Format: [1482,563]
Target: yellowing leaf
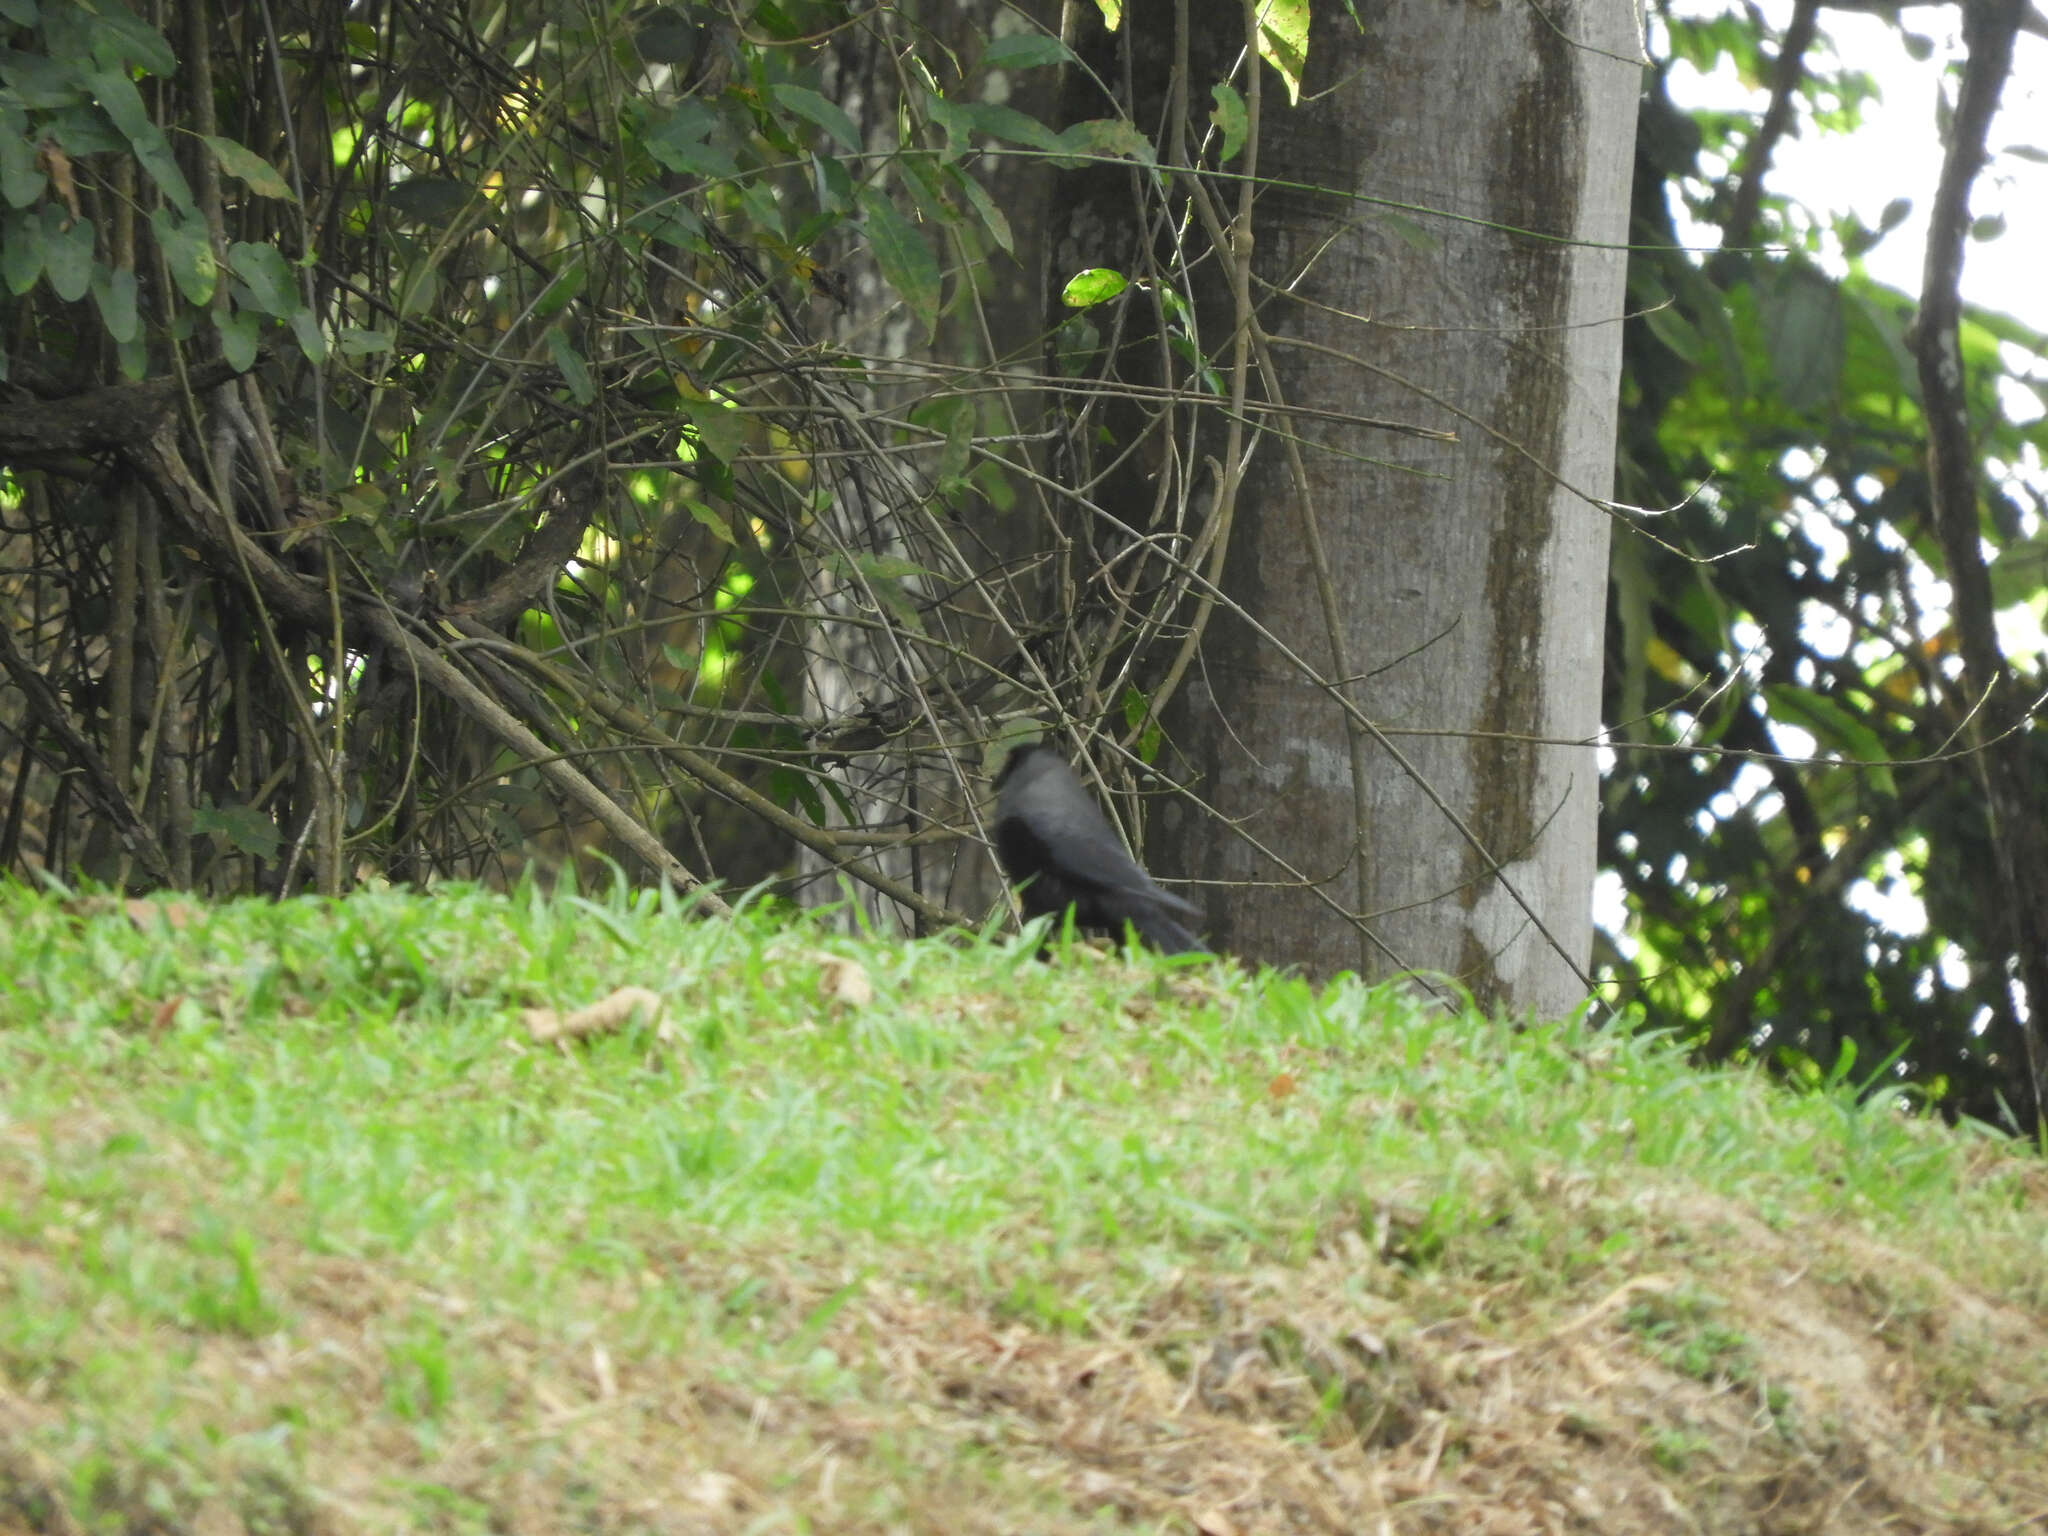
[1283,41]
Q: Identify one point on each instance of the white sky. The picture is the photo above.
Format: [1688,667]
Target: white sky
[1897,152]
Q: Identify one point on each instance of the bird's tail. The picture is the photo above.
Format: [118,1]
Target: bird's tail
[1164,934]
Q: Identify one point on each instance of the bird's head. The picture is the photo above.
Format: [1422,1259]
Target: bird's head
[1021,758]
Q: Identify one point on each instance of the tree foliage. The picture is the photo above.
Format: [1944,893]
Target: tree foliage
[425,431]
[1804,746]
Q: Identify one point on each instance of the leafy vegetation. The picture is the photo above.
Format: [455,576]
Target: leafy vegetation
[1798,812]
[543,500]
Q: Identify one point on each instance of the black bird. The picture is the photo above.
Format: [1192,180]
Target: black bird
[1060,850]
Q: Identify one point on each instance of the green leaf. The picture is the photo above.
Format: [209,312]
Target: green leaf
[122,103]
[1803,335]
[242,827]
[1000,122]
[993,219]
[889,567]
[921,180]
[712,519]
[679,143]
[121,39]
[690,118]
[906,261]
[1138,712]
[1096,285]
[22,13]
[258,174]
[958,453]
[828,115]
[791,787]
[114,291]
[1283,41]
[1833,727]
[575,371]
[419,291]
[40,83]
[763,209]
[721,430]
[1025,50]
[834,185]
[239,335]
[688,158]
[1410,232]
[952,120]
[1076,343]
[268,276]
[21,252]
[1675,331]
[1231,120]
[21,179]
[353,341]
[962,120]
[1107,137]
[67,254]
[885,576]
[778,23]
[362,503]
[558,294]
[2020,571]
[1876,362]
[82,131]
[306,331]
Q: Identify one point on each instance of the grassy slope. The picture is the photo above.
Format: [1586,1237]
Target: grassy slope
[299,1234]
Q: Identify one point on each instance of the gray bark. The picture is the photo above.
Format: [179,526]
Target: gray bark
[1471,575]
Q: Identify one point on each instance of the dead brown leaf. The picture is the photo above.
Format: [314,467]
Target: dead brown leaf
[545,1026]
[845,981]
[58,164]
[145,915]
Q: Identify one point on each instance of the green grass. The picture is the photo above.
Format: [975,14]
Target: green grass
[296,1223]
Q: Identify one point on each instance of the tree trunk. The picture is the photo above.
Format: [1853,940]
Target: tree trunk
[1460,270]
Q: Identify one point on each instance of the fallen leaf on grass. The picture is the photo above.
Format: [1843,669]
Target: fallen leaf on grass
[841,980]
[174,915]
[607,1014]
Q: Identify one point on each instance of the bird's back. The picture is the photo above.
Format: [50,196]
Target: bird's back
[1053,839]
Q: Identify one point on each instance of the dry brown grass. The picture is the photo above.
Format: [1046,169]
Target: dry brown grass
[1881,1396]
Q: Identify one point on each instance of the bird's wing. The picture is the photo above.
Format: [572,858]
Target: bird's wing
[1075,838]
